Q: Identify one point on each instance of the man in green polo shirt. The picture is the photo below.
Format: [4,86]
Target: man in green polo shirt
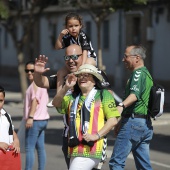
[134,131]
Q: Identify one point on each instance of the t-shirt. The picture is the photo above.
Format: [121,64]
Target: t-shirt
[4,128]
[52,85]
[99,112]
[82,40]
[139,84]
[41,95]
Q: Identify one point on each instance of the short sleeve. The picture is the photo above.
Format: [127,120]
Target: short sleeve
[137,83]
[65,104]
[109,105]
[84,41]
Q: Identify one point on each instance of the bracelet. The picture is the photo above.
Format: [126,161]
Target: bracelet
[98,135]
[30,117]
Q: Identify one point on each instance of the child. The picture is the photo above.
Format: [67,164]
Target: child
[8,137]
[73,34]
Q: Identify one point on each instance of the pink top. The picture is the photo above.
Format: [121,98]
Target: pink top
[42,97]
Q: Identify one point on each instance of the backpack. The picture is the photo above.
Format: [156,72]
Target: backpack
[156,100]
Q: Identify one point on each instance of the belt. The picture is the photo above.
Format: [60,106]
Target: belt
[135,116]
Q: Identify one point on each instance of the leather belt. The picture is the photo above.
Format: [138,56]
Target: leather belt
[135,116]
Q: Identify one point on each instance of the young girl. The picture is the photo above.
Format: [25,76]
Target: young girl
[8,137]
[73,34]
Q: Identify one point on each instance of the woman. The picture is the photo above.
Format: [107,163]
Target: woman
[92,114]
[36,116]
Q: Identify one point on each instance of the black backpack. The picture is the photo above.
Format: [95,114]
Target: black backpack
[156,100]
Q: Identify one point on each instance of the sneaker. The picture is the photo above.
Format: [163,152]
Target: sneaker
[50,104]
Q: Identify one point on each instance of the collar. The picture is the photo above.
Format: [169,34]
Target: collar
[2,111]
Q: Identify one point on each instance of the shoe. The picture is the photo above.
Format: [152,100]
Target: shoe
[50,105]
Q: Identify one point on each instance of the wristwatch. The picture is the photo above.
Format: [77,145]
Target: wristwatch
[121,105]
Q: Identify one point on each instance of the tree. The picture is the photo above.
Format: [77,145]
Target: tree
[100,10]
[13,15]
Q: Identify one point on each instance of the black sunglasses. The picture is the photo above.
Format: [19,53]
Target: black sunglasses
[27,70]
[73,57]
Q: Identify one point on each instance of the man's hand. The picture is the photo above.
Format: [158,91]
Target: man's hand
[40,63]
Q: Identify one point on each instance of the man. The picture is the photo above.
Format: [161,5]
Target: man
[134,131]
[72,65]
[73,60]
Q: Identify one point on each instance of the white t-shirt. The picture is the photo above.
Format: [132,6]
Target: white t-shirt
[4,128]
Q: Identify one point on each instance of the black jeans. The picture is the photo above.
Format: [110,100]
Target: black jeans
[65,150]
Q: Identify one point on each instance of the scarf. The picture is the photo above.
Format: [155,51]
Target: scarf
[85,118]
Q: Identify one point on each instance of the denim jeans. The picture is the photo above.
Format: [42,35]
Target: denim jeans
[35,140]
[135,135]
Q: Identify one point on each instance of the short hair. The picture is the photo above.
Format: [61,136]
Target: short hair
[30,62]
[138,50]
[2,90]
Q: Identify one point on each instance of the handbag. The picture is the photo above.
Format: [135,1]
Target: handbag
[10,160]
[21,135]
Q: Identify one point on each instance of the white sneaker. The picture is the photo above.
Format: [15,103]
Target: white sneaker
[50,104]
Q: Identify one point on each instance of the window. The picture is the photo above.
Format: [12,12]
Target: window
[6,39]
[88,29]
[136,30]
[106,32]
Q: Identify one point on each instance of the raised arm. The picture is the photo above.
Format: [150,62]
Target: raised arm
[39,79]
[58,44]
[70,82]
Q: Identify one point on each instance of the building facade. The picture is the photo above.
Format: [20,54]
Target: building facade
[149,26]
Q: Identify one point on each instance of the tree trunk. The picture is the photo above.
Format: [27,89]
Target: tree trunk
[22,75]
[100,61]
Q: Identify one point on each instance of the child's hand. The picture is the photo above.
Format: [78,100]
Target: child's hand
[3,146]
[64,32]
[16,146]
[40,63]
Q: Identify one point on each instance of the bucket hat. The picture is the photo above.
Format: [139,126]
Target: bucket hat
[88,68]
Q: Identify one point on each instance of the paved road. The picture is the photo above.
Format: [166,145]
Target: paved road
[160,149]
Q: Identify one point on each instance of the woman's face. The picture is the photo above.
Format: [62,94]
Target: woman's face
[29,69]
[85,81]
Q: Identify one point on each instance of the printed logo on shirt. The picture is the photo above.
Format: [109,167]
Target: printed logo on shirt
[134,88]
[111,105]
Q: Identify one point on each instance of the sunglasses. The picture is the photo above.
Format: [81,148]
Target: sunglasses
[73,57]
[85,75]
[31,70]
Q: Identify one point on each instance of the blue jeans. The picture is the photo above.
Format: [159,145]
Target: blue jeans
[135,135]
[35,140]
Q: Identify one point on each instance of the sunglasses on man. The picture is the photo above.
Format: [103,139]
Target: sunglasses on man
[73,57]
[31,70]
